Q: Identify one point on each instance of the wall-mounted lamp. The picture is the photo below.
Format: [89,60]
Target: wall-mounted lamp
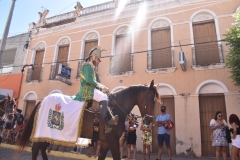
[26,66]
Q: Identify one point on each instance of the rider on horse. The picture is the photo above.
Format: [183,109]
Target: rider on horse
[91,89]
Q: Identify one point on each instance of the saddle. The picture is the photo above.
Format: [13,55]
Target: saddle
[93,106]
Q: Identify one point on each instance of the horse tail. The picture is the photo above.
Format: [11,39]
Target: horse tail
[27,131]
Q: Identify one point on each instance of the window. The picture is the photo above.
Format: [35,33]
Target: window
[121,62]
[161,48]
[205,46]
[36,73]
[88,46]
[8,60]
[62,56]
[122,57]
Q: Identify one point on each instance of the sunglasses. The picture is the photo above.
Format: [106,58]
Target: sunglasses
[220,116]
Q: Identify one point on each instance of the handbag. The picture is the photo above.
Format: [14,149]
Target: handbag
[228,135]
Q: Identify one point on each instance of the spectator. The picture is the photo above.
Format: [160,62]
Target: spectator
[123,139]
[15,132]
[235,130]
[18,117]
[95,144]
[8,118]
[94,148]
[218,126]
[163,133]
[132,137]
[146,128]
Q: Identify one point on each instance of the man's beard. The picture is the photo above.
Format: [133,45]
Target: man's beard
[94,63]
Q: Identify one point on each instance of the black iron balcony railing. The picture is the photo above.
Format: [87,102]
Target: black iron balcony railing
[208,54]
[34,75]
[120,64]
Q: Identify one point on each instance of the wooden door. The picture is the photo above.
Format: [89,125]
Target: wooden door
[36,74]
[29,107]
[170,109]
[208,106]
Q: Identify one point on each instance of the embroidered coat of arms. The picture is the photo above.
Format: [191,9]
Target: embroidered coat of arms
[56,118]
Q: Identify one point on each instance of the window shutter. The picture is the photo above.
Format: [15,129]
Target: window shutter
[36,73]
[62,57]
[206,53]
[161,48]
[122,58]
[88,46]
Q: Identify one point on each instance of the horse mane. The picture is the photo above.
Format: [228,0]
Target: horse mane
[132,90]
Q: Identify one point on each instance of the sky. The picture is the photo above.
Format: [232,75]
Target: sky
[26,11]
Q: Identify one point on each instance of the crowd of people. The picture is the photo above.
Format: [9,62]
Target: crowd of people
[13,125]
[221,135]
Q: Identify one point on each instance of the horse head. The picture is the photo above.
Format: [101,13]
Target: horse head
[147,102]
[7,105]
[142,96]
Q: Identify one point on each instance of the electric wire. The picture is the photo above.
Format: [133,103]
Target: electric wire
[132,53]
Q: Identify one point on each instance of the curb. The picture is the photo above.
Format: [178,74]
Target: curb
[53,153]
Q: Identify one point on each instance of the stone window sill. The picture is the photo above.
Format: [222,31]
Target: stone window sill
[33,82]
[212,66]
[128,73]
[161,70]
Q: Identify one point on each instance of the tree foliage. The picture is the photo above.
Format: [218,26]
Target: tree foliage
[233,57]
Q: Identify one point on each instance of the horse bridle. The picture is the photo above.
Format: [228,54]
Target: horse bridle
[5,106]
[124,112]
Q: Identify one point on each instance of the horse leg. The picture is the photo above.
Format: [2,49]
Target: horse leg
[103,151]
[35,150]
[114,146]
[43,149]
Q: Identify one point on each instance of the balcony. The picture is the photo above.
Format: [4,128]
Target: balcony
[207,56]
[79,68]
[121,65]
[34,76]
[161,61]
[97,8]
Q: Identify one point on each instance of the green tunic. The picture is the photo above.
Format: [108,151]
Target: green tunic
[87,83]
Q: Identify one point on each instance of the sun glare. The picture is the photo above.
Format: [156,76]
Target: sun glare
[121,5]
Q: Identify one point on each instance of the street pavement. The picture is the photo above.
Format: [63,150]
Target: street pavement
[10,153]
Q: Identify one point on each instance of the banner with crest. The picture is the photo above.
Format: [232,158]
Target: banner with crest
[58,120]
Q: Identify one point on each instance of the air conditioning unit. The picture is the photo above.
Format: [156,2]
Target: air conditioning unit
[182,61]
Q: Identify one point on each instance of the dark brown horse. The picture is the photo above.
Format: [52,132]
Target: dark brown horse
[6,106]
[122,103]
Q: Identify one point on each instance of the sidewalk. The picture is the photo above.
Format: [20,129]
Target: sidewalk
[9,152]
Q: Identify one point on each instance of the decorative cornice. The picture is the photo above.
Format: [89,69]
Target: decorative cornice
[161,70]
[40,46]
[91,36]
[160,24]
[203,17]
[107,17]
[123,30]
[213,66]
[64,41]
[128,73]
